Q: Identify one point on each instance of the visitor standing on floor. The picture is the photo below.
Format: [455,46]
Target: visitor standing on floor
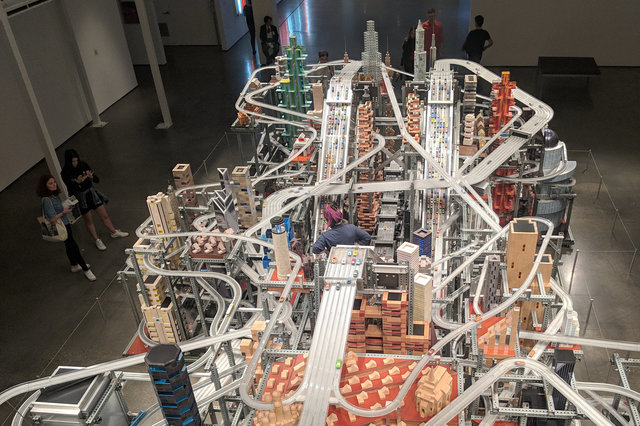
[79,178]
[251,25]
[476,41]
[339,232]
[270,40]
[431,26]
[408,50]
[53,210]
[323,58]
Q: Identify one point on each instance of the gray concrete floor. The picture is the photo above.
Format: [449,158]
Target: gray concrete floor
[51,317]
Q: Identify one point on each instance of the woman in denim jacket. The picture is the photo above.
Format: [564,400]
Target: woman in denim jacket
[53,210]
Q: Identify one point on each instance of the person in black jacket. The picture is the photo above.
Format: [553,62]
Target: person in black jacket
[79,178]
[248,14]
[270,40]
[474,44]
[408,50]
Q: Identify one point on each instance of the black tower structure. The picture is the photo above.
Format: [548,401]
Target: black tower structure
[565,363]
[172,385]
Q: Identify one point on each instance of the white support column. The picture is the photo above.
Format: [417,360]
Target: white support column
[48,149]
[153,63]
[82,72]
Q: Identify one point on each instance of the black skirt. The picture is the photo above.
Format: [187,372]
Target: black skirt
[91,199]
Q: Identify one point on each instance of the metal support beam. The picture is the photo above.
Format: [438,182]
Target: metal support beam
[45,140]
[153,64]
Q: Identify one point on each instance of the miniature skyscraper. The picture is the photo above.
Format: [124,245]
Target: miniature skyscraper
[224,200]
[318,99]
[432,51]
[420,56]
[164,213]
[243,193]
[422,296]
[371,57]
[492,287]
[565,363]
[294,91]
[280,247]
[409,253]
[171,383]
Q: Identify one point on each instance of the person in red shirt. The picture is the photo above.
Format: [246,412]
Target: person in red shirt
[431,25]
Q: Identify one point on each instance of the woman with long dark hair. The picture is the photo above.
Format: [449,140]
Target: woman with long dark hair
[79,178]
[408,50]
[53,210]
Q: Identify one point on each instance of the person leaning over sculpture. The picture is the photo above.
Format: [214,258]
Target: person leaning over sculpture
[339,232]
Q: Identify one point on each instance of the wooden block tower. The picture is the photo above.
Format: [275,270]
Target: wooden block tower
[521,249]
[245,199]
[182,178]
[162,322]
[356,341]
[368,204]
[155,286]
[413,116]
[394,322]
[502,101]
[164,213]
[418,342]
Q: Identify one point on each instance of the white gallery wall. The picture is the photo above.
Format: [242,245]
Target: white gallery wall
[522,30]
[231,25]
[188,22]
[135,41]
[98,29]
[42,38]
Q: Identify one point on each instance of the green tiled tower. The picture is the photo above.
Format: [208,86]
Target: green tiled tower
[294,92]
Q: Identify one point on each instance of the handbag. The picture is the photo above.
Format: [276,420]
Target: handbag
[52,231]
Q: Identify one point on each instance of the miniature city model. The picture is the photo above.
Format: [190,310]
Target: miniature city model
[456,312]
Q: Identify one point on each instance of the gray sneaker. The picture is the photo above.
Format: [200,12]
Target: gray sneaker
[119,234]
[100,245]
[89,275]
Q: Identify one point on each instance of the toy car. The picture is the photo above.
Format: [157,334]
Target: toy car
[358,261]
[339,364]
[334,260]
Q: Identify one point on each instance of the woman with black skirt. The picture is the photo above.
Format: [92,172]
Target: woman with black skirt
[79,178]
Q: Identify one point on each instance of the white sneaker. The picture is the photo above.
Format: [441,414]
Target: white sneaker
[100,244]
[89,275]
[119,234]
[78,268]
